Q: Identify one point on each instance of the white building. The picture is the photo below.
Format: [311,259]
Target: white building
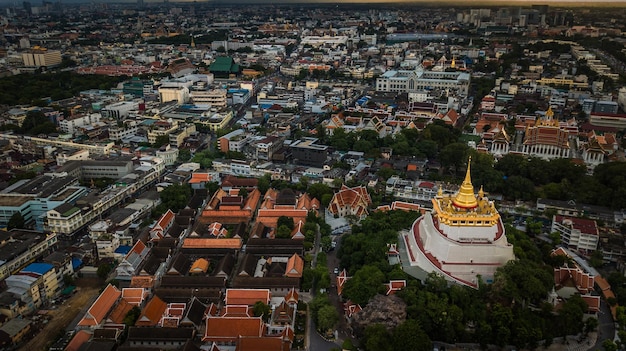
[176,93]
[67,219]
[317,41]
[40,57]
[577,233]
[462,239]
[419,79]
[214,97]
[128,130]
[119,110]
[78,155]
[70,126]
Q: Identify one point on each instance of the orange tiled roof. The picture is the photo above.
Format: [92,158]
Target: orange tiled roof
[297,233]
[292,296]
[356,198]
[262,344]
[603,284]
[246,296]
[225,329]
[200,265]
[152,313]
[165,220]
[142,282]
[295,266]
[405,206]
[232,243]
[81,337]
[395,285]
[200,177]
[119,312]
[237,311]
[342,278]
[134,296]
[99,309]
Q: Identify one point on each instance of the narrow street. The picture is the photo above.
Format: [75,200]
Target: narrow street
[314,341]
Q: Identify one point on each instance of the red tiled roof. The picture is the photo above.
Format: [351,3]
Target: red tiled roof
[586,226]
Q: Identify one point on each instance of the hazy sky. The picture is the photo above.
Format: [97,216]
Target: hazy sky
[620,3]
[464,2]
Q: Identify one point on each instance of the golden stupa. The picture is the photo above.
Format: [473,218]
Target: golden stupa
[465,207]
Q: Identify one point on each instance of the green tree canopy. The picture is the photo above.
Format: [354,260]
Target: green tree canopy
[261,309]
[16,221]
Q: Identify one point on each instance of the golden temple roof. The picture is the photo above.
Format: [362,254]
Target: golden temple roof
[465,198]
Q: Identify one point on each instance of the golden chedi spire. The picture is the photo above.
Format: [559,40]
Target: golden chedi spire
[465,198]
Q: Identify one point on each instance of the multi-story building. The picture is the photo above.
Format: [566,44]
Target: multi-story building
[73,155]
[92,169]
[19,247]
[238,96]
[577,233]
[613,120]
[106,245]
[71,124]
[178,136]
[214,97]
[410,190]
[233,141]
[218,119]
[138,87]
[41,57]
[161,128]
[420,79]
[67,218]
[33,198]
[94,148]
[169,154]
[266,147]
[119,110]
[308,152]
[128,130]
[176,93]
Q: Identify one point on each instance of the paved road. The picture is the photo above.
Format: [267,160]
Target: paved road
[606,326]
[315,342]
